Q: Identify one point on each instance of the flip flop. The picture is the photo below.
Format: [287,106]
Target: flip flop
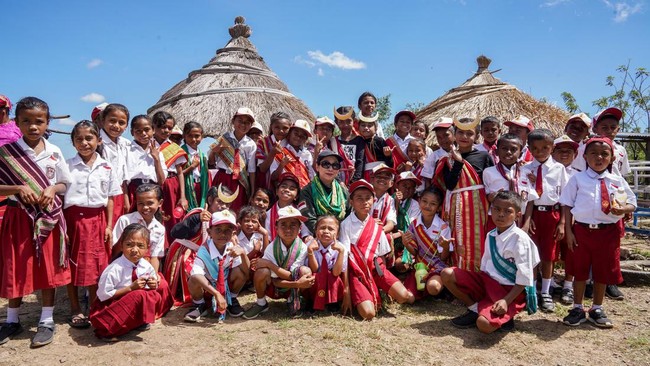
[79,321]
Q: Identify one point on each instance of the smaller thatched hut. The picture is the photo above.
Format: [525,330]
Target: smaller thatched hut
[484,95]
[236,77]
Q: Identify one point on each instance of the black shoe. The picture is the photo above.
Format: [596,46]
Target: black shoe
[614,293]
[599,318]
[589,291]
[467,320]
[546,303]
[576,317]
[508,326]
[196,313]
[8,330]
[44,335]
[234,309]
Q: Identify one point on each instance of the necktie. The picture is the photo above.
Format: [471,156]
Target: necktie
[236,165]
[321,283]
[604,197]
[323,264]
[134,274]
[539,188]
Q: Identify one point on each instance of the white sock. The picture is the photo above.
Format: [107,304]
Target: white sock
[546,285]
[12,315]
[262,301]
[596,307]
[473,307]
[578,306]
[46,314]
[568,284]
[198,302]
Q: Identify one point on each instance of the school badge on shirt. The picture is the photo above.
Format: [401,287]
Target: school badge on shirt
[50,172]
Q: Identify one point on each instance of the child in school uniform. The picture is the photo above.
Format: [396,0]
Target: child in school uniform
[326,141]
[416,152]
[88,209]
[428,241]
[253,236]
[384,209]
[256,133]
[144,161]
[490,130]
[270,146]
[420,130]
[506,175]
[367,104]
[328,260]
[505,284]
[445,139]
[459,175]
[577,129]
[33,252]
[176,136]
[398,143]
[367,273]
[281,272]
[114,121]
[592,229]
[148,199]
[352,144]
[131,295]
[261,199]
[196,173]
[295,158]
[544,220]
[407,209]
[287,192]
[189,235]
[375,150]
[522,126]
[220,269]
[233,155]
[175,158]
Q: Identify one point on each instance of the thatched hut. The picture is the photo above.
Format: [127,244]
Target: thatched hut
[484,95]
[237,76]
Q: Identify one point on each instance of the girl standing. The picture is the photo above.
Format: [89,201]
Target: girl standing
[270,146]
[197,176]
[143,160]
[114,120]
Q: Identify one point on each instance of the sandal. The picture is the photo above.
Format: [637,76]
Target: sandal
[79,321]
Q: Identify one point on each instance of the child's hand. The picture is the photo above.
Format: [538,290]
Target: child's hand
[318,147]
[531,227]
[312,246]
[531,177]
[217,148]
[455,154]
[27,195]
[237,251]
[346,305]
[286,159]
[408,166]
[196,161]
[221,302]
[444,242]
[407,238]
[559,232]
[257,245]
[307,239]
[617,210]
[306,281]
[277,149]
[570,240]
[338,247]
[153,150]
[183,203]
[152,282]
[47,197]
[500,307]
[205,216]
[398,196]
[138,284]
[254,263]
[108,237]
[388,151]
[262,230]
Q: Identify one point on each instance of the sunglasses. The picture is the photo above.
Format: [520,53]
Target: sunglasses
[327,165]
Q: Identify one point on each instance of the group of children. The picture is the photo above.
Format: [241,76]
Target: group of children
[327,219]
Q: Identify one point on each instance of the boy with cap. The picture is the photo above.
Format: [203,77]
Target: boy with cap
[400,140]
[96,114]
[594,201]
[445,138]
[522,126]
[233,155]
[363,238]
[490,131]
[295,158]
[280,273]
[383,210]
[577,129]
[256,133]
[220,269]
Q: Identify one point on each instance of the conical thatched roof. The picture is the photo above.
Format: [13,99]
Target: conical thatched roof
[236,77]
[484,95]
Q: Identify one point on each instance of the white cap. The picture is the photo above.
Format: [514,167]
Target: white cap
[290,212]
[244,111]
[303,125]
[223,217]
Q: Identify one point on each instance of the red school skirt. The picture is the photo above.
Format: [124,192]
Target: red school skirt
[89,254]
[227,180]
[118,208]
[116,317]
[20,272]
[327,289]
[171,194]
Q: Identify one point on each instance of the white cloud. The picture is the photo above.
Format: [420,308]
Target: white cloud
[94,63]
[300,60]
[622,9]
[337,60]
[320,72]
[93,98]
[552,3]
[67,122]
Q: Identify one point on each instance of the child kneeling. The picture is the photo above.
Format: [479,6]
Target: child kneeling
[130,294]
[220,270]
[505,284]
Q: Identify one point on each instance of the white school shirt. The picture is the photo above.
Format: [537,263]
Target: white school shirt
[351,229]
[51,162]
[304,231]
[553,179]
[403,143]
[140,164]
[196,173]
[414,209]
[429,168]
[378,206]
[570,171]
[582,194]
[247,147]
[115,153]
[119,275]
[305,156]
[331,255]
[579,163]
[156,232]
[199,268]
[91,185]
[494,182]
[517,247]
[172,169]
[621,165]
[249,244]
[428,151]
[300,259]
[437,229]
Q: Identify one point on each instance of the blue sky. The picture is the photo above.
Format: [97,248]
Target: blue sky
[75,54]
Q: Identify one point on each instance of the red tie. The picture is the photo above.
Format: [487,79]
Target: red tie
[321,283]
[236,166]
[539,187]
[134,274]
[604,197]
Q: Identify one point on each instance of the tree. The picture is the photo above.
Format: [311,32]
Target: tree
[570,102]
[415,107]
[383,109]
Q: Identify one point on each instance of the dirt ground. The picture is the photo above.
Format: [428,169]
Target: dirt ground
[419,334]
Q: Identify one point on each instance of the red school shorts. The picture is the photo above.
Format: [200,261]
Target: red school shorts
[360,293]
[545,224]
[598,250]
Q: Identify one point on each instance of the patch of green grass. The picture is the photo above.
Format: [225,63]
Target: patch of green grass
[286,323]
[561,310]
[640,341]
[645,253]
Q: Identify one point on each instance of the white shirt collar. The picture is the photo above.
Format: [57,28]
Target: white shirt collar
[505,235]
